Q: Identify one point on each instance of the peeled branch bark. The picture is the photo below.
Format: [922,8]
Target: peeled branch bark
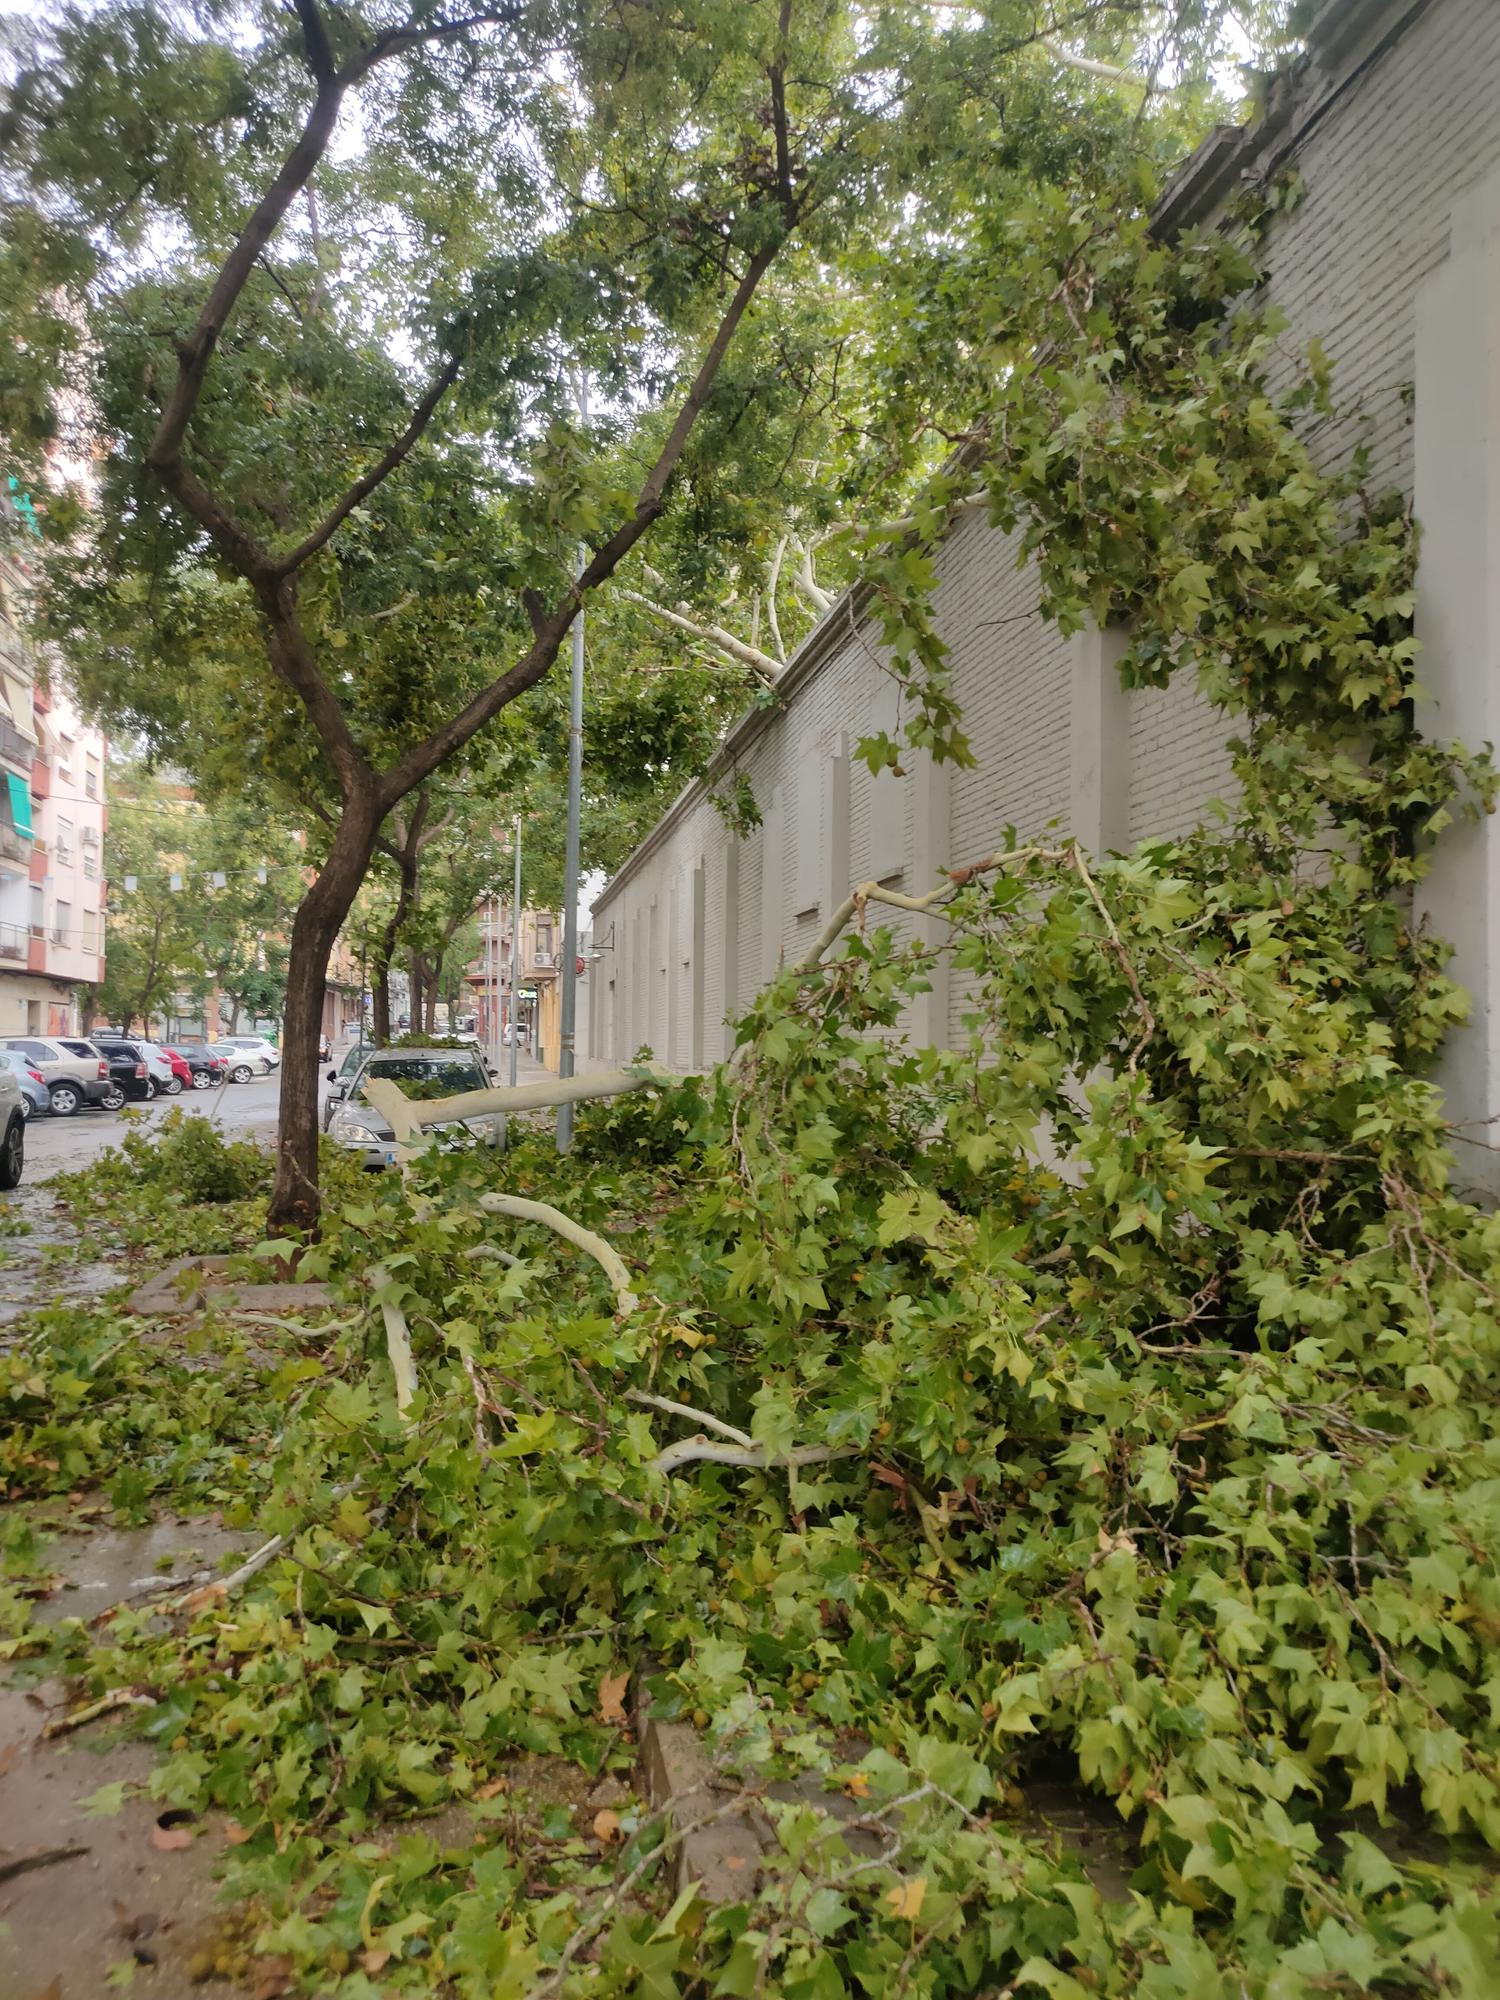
[773,578]
[693,1416]
[808,584]
[924,906]
[409,1117]
[397,1343]
[573,1232]
[758,1458]
[715,636]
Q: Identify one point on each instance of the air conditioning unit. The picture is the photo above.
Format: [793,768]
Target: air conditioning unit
[541,960]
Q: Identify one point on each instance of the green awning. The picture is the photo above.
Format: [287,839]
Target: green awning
[20,803]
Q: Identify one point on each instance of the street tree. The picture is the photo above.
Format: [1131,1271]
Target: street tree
[304,277]
[197,896]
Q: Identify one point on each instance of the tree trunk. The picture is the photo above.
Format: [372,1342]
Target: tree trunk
[414,1003]
[234,1018]
[406,897]
[381,993]
[294,1199]
[430,1019]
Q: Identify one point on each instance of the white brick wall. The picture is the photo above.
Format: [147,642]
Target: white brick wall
[1385,138]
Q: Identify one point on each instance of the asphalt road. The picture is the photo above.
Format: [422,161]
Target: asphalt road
[60,1145]
[243,1110]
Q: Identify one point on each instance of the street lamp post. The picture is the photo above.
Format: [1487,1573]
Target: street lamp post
[515,959]
[569,1020]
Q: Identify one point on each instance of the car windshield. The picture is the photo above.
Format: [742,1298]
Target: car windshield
[423,1076]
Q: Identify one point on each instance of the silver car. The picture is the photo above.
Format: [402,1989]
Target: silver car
[72,1067]
[421,1073]
[265,1055]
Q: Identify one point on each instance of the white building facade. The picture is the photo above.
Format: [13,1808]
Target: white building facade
[1392,261]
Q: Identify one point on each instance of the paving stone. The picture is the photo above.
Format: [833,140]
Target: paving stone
[171,1294]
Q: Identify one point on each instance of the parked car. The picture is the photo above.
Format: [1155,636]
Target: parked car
[420,1072]
[178,1077]
[253,1045]
[355,1056]
[208,1069]
[129,1073]
[12,1131]
[35,1095]
[325,1048]
[240,1065]
[73,1079]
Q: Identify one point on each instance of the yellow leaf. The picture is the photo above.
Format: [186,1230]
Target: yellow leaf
[688,1335]
[377,1889]
[375,1961]
[607,1827]
[611,1697]
[906,1899]
[491,1788]
[857,1785]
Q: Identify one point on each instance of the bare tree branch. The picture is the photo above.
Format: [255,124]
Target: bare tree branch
[424,759]
[365,485]
[752,657]
[777,74]
[773,578]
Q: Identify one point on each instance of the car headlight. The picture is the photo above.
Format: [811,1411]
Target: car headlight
[351,1126]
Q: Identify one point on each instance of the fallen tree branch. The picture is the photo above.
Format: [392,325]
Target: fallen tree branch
[397,1344]
[409,1116]
[573,1232]
[926,905]
[693,1416]
[758,1458]
[62,1725]
[210,1593]
[42,1858]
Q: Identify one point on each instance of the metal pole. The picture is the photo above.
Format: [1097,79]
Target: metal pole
[568,1023]
[515,961]
[570,885]
[497,907]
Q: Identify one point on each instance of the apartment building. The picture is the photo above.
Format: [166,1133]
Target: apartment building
[537,985]
[52,819]
[1391,120]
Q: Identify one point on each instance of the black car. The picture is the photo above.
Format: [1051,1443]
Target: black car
[128,1073]
[209,1068]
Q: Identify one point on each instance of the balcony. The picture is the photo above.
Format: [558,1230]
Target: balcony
[12,944]
[15,849]
[16,749]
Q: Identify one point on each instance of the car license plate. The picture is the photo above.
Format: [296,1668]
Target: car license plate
[390,1157]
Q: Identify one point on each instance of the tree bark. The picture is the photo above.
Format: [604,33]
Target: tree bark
[405,851]
[294,1198]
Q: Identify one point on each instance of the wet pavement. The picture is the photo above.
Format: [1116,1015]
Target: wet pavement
[62,1145]
[94,1888]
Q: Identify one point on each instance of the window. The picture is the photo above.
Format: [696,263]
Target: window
[62,923]
[91,930]
[91,776]
[424,1075]
[64,848]
[544,936]
[38,911]
[90,865]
